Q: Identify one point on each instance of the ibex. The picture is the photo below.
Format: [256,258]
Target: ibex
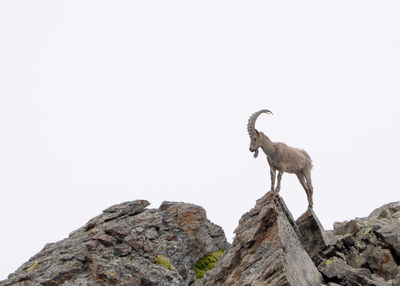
[281,158]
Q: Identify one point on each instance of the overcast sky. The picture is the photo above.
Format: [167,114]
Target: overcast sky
[103,102]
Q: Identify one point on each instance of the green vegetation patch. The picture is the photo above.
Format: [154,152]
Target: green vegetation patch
[207,263]
[34,265]
[163,261]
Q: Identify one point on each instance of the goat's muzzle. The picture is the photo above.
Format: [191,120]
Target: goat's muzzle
[255,151]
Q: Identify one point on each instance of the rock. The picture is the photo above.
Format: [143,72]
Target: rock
[128,208]
[265,251]
[388,211]
[341,228]
[106,240]
[390,233]
[370,243]
[173,245]
[121,246]
[396,281]
[381,262]
[339,271]
[314,237]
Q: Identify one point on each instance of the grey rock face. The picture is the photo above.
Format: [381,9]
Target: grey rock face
[121,246]
[366,251]
[314,237]
[390,233]
[337,269]
[129,244]
[265,251]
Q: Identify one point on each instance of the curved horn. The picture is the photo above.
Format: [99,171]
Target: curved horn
[251,125]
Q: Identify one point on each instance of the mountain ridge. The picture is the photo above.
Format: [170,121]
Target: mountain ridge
[130,244]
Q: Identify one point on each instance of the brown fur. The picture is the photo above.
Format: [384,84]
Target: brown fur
[283,158]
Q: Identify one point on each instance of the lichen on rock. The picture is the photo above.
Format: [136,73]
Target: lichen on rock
[265,251]
[176,245]
[126,245]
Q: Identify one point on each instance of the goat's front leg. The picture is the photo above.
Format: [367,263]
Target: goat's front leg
[272,171]
[278,185]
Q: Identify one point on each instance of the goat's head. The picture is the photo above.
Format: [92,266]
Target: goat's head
[255,136]
[255,143]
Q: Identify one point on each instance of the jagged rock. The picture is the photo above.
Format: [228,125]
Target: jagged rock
[338,270]
[314,237]
[120,247]
[129,244]
[265,251]
[342,228]
[390,233]
[388,211]
[370,243]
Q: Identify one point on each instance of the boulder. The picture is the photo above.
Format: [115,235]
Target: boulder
[338,270]
[367,249]
[127,244]
[390,234]
[313,236]
[266,251]
[176,245]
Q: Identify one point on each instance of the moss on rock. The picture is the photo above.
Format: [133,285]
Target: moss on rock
[163,261]
[207,263]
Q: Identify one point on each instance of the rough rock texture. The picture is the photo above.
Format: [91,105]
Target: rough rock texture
[366,251]
[129,244]
[338,270]
[314,237]
[120,247]
[265,251]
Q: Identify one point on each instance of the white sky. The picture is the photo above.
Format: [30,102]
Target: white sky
[103,102]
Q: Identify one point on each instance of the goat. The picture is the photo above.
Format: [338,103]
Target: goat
[281,158]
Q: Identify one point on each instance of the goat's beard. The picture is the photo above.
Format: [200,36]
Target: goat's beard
[256,153]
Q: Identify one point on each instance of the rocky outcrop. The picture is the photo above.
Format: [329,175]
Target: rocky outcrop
[271,249]
[313,236]
[366,251]
[357,252]
[265,251]
[127,244]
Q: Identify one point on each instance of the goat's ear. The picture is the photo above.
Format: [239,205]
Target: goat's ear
[257,132]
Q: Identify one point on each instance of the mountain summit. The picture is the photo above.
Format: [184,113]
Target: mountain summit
[130,244]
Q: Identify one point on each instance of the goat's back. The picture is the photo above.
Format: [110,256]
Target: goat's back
[291,159]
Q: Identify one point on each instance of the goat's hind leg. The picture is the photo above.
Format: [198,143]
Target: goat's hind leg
[307,175]
[302,179]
